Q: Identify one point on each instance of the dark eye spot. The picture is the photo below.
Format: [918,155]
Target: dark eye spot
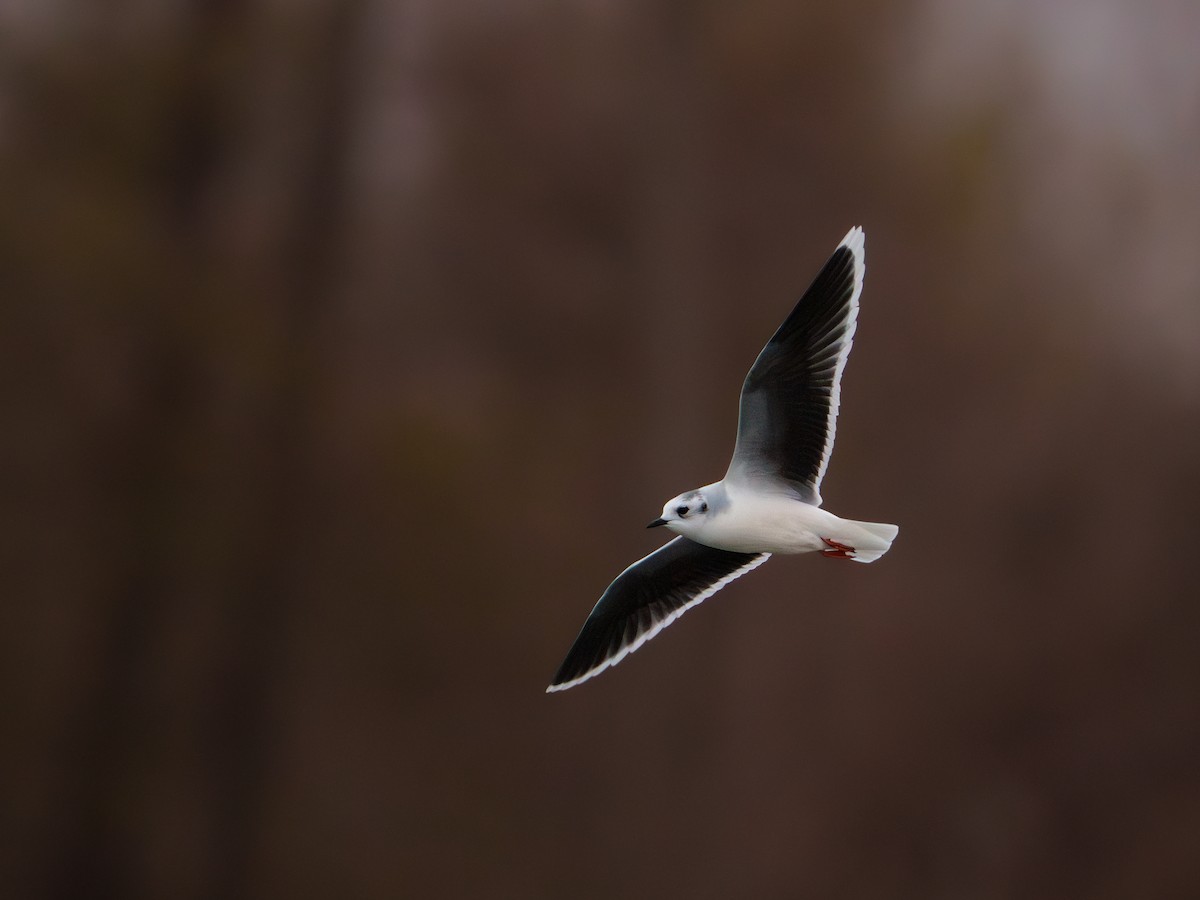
[703,507]
[682,510]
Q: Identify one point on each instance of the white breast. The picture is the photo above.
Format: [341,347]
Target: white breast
[762,523]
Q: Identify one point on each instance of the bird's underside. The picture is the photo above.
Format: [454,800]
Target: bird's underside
[769,500]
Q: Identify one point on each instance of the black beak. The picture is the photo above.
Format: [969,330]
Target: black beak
[656,523]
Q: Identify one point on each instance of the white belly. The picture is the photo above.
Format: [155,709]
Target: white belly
[767,524]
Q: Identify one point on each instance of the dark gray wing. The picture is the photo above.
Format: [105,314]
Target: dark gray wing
[646,598]
[788,414]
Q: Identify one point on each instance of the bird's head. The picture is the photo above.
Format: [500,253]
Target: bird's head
[683,513]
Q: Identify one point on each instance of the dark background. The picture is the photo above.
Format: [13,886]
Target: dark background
[347,347]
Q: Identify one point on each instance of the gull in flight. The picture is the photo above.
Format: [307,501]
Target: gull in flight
[770,498]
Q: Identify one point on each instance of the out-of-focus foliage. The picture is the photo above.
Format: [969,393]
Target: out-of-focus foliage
[346,348]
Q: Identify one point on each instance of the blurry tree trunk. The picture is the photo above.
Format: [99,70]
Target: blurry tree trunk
[674,188]
[190,464]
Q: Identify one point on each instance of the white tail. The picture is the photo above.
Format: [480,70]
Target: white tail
[874,540]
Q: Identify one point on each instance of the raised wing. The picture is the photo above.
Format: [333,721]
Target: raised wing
[646,598]
[789,406]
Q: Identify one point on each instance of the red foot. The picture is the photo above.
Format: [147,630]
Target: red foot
[836,550]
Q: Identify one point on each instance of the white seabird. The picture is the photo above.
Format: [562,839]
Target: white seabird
[769,500]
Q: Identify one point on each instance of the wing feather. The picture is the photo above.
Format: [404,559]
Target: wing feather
[787,418]
[646,598]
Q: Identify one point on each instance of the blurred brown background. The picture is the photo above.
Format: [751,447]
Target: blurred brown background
[347,347]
